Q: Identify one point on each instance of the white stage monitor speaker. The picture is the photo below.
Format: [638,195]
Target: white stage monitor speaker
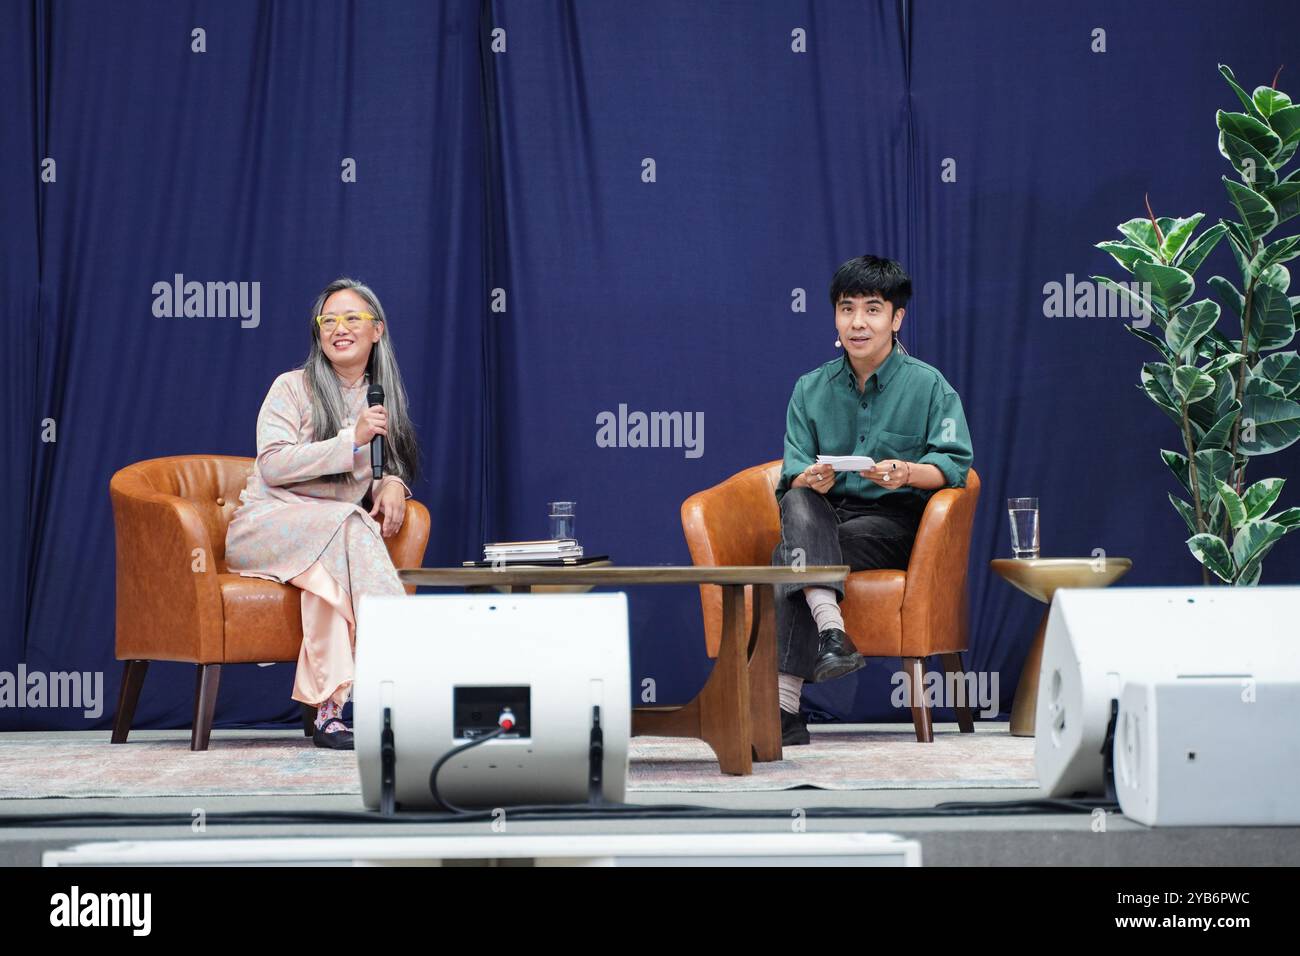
[1208,751]
[1099,638]
[435,672]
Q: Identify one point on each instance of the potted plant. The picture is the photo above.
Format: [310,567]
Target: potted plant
[1232,399]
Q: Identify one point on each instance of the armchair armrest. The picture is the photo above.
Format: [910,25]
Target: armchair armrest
[934,601]
[407,547]
[168,599]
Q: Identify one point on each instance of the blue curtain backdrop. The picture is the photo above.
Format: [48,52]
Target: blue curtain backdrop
[569,208]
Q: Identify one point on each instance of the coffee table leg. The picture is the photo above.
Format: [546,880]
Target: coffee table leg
[724,702]
[1026,702]
[765,721]
[721,713]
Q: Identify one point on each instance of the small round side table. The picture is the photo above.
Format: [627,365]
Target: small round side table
[1039,578]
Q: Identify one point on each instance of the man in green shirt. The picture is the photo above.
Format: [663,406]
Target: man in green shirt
[877,401]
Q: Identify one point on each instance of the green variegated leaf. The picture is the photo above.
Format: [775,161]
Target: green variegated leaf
[1218,464]
[1190,259]
[1176,236]
[1268,424]
[1190,324]
[1253,538]
[1158,382]
[1137,306]
[1277,276]
[1285,197]
[1272,324]
[1268,101]
[1283,250]
[1187,512]
[1219,435]
[1239,243]
[1260,496]
[1253,165]
[1215,344]
[1210,550]
[1286,123]
[1178,465]
[1251,130]
[1155,340]
[1223,362]
[1258,385]
[1225,395]
[1142,233]
[1211,467]
[1249,575]
[1206,413]
[1232,501]
[1192,384]
[1246,101]
[1257,213]
[1281,368]
[1237,232]
[1229,294]
[1126,254]
[1289,519]
[1215,518]
[1170,286]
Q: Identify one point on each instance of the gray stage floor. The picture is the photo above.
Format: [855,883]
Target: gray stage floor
[985,840]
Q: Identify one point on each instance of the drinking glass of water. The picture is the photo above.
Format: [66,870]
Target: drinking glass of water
[562,519]
[1024,526]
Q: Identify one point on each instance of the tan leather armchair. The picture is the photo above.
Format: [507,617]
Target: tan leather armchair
[177,600]
[908,614]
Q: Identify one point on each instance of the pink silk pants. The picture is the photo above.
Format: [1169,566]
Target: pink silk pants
[355,562]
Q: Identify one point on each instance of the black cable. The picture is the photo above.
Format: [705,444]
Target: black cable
[606,811]
[433,774]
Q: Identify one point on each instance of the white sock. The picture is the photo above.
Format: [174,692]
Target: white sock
[825,608]
[789,689]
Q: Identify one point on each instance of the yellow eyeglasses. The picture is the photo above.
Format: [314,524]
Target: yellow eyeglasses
[353,320]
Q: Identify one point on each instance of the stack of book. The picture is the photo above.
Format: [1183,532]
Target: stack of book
[530,552]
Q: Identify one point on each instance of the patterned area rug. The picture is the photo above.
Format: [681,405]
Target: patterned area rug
[269,763]
[838,760]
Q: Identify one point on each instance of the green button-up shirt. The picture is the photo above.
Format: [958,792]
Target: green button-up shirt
[906,411]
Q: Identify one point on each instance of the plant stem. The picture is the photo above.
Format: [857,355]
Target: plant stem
[1241,386]
[1195,483]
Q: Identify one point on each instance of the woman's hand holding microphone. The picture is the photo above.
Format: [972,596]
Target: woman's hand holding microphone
[390,500]
[372,421]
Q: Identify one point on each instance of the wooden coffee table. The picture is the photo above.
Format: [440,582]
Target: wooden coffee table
[736,712]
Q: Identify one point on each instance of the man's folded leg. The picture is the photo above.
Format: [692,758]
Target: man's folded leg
[809,626]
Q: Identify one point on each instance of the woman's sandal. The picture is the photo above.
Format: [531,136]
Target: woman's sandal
[333,740]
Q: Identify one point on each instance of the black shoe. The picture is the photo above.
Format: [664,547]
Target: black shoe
[333,740]
[836,656]
[794,731]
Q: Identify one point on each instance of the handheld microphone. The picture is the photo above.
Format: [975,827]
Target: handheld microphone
[375,396]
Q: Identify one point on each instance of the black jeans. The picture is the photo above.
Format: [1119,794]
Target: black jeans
[864,535]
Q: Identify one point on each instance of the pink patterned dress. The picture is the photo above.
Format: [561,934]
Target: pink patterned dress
[296,528]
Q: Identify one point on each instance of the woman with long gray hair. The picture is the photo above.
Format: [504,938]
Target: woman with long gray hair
[301,519]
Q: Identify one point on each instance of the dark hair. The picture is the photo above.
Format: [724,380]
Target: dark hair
[867,274]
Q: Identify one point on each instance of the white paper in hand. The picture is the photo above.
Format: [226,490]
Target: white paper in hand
[847,462]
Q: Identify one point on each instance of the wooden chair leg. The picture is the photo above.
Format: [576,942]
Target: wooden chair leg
[127,696]
[915,668]
[207,677]
[308,719]
[952,665]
